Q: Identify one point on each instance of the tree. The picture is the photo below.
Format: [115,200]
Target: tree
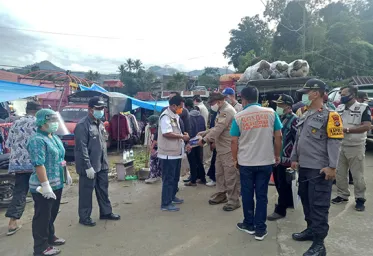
[35,68]
[209,78]
[252,34]
[92,76]
[129,65]
[178,82]
[137,65]
[245,61]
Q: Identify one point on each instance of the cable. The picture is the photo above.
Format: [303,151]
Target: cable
[64,34]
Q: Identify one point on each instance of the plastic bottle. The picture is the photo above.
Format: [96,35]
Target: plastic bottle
[128,156]
[124,156]
[131,155]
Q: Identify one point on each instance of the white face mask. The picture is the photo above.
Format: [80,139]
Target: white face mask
[215,107]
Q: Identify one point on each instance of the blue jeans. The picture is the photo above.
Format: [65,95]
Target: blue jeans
[170,179]
[255,178]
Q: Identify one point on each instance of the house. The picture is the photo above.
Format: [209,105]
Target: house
[9,76]
[112,83]
[359,80]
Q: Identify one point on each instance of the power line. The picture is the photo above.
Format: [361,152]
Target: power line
[64,34]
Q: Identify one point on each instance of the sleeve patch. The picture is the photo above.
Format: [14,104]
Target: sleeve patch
[335,126]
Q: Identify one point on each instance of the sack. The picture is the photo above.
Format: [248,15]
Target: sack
[279,69]
[298,68]
[259,71]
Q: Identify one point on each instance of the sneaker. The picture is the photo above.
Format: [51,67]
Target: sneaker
[243,227]
[170,208]
[260,235]
[339,200]
[50,251]
[151,180]
[211,183]
[177,200]
[360,207]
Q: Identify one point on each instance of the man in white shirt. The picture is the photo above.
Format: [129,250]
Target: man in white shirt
[170,152]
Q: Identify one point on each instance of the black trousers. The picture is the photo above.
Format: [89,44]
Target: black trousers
[17,206]
[315,194]
[86,186]
[211,171]
[197,171]
[285,195]
[45,214]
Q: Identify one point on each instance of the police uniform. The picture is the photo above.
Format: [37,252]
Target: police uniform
[352,152]
[317,145]
[227,176]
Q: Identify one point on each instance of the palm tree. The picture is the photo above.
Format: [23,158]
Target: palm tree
[90,75]
[137,65]
[96,76]
[122,71]
[129,64]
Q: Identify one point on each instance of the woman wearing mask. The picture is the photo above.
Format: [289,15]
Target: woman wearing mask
[46,182]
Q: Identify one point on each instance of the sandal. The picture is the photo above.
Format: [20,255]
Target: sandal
[230,207]
[190,184]
[58,241]
[50,251]
[12,231]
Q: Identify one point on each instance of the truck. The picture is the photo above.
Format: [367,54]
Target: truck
[228,81]
[77,108]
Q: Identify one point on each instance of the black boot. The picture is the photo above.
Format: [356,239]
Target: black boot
[305,235]
[317,248]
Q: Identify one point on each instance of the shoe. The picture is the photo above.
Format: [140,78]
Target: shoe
[110,216]
[231,207]
[57,241]
[188,179]
[316,249]
[170,208]
[190,184]
[151,180]
[177,200]
[274,216]
[243,227]
[50,251]
[305,235]
[260,235]
[360,207]
[88,222]
[12,231]
[211,183]
[202,182]
[339,200]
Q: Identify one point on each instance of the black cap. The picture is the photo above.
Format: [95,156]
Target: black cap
[33,106]
[216,96]
[284,99]
[313,84]
[96,102]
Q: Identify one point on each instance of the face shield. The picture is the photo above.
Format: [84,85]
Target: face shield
[62,129]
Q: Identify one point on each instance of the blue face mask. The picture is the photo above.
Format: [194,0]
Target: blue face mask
[346,99]
[98,114]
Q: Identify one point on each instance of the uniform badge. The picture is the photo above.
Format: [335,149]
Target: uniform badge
[314,130]
[336,119]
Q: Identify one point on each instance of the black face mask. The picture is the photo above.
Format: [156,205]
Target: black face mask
[346,99]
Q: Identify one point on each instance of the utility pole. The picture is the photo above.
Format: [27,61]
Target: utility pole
[304,31]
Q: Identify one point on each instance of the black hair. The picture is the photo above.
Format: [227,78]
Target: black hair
[197,98]
[351,88]
[176,100]
[176,93]
[189,103]
[250,93]
[196,108]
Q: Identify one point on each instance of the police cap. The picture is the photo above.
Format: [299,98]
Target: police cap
[313,84]
[284,99]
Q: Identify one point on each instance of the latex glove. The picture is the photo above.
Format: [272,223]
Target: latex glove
[69,180]
[46,190]
[90,173]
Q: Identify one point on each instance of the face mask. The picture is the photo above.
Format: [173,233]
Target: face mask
[179,111]
[305,100]
[98,114]
[345,99]
[52,127]
[215,107]
[279,111]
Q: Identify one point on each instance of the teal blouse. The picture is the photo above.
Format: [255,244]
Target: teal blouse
[49,152]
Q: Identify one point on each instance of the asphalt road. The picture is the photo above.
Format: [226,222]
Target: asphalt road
[198,229]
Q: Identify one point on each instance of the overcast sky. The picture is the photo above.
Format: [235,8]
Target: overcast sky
[184,34]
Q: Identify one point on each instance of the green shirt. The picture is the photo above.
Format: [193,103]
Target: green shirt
[49,152]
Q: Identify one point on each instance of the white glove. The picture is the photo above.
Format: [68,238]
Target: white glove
[90,173]
[69,180]
[46,190]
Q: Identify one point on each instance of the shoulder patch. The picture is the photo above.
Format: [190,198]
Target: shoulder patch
[334,127]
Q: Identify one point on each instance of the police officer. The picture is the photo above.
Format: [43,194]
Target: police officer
[227,176]
[357,120]
[315,153]
[92,164]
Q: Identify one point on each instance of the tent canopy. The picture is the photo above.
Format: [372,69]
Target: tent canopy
[12,91]
[151,105]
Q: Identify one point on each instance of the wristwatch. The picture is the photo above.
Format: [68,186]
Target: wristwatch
[348,130]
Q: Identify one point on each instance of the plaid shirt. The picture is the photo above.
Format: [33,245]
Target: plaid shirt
[289,133]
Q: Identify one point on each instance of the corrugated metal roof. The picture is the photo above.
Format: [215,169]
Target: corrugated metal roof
[8,76]
[358,80]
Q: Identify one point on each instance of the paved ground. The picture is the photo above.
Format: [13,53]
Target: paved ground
[198,229]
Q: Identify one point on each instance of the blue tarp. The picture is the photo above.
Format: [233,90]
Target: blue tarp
[13,91]
[151,105]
